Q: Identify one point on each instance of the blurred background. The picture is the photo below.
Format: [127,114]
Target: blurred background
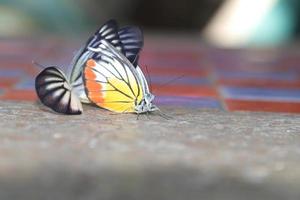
[222,55]
[221,22]
[229,54]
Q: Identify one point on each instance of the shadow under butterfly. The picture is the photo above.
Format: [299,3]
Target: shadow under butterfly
[104,72]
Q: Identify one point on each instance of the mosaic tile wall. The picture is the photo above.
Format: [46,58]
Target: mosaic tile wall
[182,73]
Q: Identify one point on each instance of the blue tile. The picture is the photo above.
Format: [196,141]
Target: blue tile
[26,84]
[12,73]
[246,93]
[188,101]
[167,63]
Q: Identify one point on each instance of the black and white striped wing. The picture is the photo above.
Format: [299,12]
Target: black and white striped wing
[109,32]
[133,41]
[55,92]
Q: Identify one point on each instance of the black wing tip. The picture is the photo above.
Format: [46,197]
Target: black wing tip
[61,112]
[133,28]
[48,68]
[78,112]
[40,86]
[110,23]
[65,111]
[136,34]
[42,73]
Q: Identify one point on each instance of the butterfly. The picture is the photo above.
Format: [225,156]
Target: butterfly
[104,72]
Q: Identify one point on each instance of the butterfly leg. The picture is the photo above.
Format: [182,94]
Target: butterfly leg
[148,116]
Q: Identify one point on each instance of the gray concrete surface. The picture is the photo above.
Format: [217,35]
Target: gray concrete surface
[199,154]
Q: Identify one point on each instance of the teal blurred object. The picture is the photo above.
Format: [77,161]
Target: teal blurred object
[279,24]
[45,15]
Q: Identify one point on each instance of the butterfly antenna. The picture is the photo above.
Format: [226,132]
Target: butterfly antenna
[163,115]
[170,81]
[38,65]
[149,78]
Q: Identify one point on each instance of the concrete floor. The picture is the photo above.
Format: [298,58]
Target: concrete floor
[199,154]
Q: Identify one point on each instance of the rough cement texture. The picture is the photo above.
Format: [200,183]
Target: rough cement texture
[199,154]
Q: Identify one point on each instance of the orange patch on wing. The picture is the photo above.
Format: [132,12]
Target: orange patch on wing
[91,63]
[96,97]
[93,86]
[88,72]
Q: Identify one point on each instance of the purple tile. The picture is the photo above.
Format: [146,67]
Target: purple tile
[12,73]
[186,80]
[26,84]
[243,93]
[171,63]
[188,101]
[282,76]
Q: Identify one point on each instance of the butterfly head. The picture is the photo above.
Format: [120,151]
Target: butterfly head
[146,104]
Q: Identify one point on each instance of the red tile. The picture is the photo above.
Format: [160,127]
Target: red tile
[189,91]
[8,82]
[267,106]
[290,62]
[20,95]
[260,83]
[12,64]
[17,63]
[189,56]
[27,66]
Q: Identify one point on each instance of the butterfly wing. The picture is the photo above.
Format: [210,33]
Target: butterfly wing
[55,92]
[128,40]
[133,41]
[112,82]
[109,32]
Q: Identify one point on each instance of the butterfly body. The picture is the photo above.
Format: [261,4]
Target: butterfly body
[104,72]
[122,86]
